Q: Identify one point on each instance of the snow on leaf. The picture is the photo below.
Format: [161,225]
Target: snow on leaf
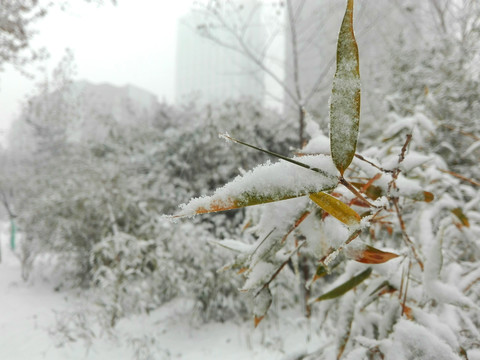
[346,286]
[414,159]
[336,208]
[267,183]
[261,304]
[435,288]
[259,274]
[410,340]
[345,100]
[234,245]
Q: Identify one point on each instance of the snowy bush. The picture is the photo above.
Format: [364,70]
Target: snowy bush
[439,80]
[394,233]
[92,207]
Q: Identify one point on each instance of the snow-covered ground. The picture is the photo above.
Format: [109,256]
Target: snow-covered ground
[36,323]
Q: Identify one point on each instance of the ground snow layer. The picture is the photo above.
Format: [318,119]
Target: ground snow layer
[33,313]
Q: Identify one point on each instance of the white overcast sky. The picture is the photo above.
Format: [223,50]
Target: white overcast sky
[130,43]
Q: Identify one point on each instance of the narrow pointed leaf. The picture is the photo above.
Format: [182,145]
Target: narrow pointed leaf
[346,286]
[383,285]
[257,320]
[261,304]
[371,255]
[236,246]
[345,100]
[422,196]
[336,208]
[321,272]
[267,183]
[461,216]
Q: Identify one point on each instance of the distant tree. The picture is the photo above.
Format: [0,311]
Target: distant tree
[17,19]
[230,24]
[92,206]
[306,31]
[438,79]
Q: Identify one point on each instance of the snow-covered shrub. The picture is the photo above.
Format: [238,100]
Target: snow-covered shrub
[394,235]
[121,265]
[439,80]
[78,200]
[132,275]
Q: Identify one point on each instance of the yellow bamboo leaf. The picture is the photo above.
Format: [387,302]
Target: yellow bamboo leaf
[336,208]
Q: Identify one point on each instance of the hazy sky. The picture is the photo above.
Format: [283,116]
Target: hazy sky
[130,43]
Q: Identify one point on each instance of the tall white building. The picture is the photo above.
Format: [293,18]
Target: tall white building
[212,73]
[378,27]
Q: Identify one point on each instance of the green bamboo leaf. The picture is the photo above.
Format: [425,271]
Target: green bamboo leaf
[321,272]
[345,100]
[346,286]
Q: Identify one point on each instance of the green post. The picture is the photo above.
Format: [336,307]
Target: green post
[12,234]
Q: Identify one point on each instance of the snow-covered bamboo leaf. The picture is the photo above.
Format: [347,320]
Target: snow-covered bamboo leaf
[461,216]
[345,322]
[345,100]
[267,183]
[236,246]
[336,208]
[261,304]
[346,286]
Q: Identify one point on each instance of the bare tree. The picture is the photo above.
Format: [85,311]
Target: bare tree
[307,31]
[227,23]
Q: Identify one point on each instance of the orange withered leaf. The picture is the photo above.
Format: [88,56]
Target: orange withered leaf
[371,255]
[257,320]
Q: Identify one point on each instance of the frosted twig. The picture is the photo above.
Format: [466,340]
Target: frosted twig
[334,252]
[264,239]
[350,187]
[405,236]
[461,177]
[281,267]
[300,219]
[358,156]
[406,287]
[317,170]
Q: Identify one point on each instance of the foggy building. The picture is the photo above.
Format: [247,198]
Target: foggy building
[379,26]
[311,45]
